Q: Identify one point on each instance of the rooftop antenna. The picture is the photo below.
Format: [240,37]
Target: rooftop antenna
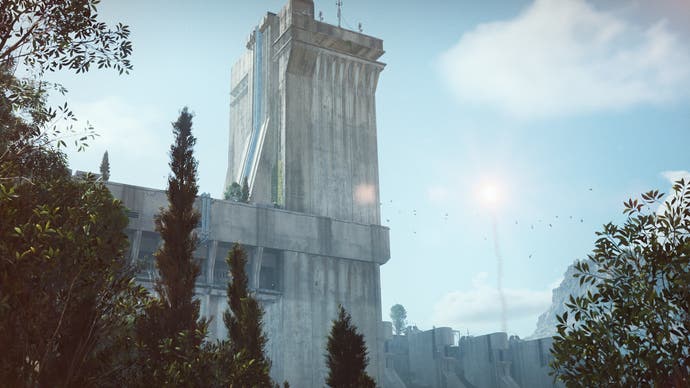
[339,3]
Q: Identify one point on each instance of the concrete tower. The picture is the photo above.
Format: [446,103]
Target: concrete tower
[303,131]
[303,116]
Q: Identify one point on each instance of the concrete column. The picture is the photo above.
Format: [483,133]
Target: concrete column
[256,268]
[135,247]
[211,262]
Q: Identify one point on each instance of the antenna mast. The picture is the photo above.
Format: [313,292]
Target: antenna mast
[339,3]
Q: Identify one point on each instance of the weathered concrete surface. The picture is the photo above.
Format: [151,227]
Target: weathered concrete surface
[433,359]
[485,362]
[530,363]
[301,267]
[311,104]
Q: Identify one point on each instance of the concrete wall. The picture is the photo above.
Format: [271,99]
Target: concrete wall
[316,98]
[321,262]
[241,91]
[530,363]
[485,362]
[432,359]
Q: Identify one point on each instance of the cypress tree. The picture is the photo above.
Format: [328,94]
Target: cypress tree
[346,355]
[175,260]
[171,333]
[243,318]
[105,167]
[245,190]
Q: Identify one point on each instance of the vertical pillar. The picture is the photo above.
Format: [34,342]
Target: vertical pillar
[134,253]
[211,262]
[256,268]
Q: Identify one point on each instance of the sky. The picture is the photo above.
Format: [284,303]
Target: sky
[564,108]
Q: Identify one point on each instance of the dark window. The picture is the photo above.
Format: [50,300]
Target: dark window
[201,256]
[221,269]
[131,234]
[269,275]
[146,262]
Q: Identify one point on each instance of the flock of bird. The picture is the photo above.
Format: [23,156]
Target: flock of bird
[389,207]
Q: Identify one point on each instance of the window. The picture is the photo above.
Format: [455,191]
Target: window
[221,269]
[131,235]
[200,256]
[269,274]
[146,262]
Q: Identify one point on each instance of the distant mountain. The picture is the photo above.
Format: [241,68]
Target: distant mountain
[546,324]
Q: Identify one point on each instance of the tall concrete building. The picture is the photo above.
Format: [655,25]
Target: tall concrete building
[303,116]
[303,133]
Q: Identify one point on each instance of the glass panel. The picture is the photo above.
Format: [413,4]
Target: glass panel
[269,275]
[146,263]
[220,272]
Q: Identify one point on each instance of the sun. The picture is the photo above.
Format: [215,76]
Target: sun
[490,195]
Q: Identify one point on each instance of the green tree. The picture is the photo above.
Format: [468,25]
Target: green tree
[66,292]
[233,192]
[244,318]
[47,35]
[399,317]
[105,167]
[634,329]
[245,191]
[66,296]
[171,332]
[67,299]
[346,355]
[55,34]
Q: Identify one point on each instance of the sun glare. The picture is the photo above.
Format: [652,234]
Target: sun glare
[489,195]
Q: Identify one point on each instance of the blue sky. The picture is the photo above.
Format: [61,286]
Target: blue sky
[566,106]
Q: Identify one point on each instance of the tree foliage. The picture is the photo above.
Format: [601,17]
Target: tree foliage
[233,192]
[244,197]
[66,295]
[398,315]
[66,292]
[346,355]
[67,299]
[634,329]
[175,260]
[48,35]
[244,320]
[105,167]
[171,332]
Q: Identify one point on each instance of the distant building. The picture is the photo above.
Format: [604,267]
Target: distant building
[303,133]
[439,358]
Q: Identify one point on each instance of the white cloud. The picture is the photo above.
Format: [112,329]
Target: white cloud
[561,57]
[479,308]
[674,176]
